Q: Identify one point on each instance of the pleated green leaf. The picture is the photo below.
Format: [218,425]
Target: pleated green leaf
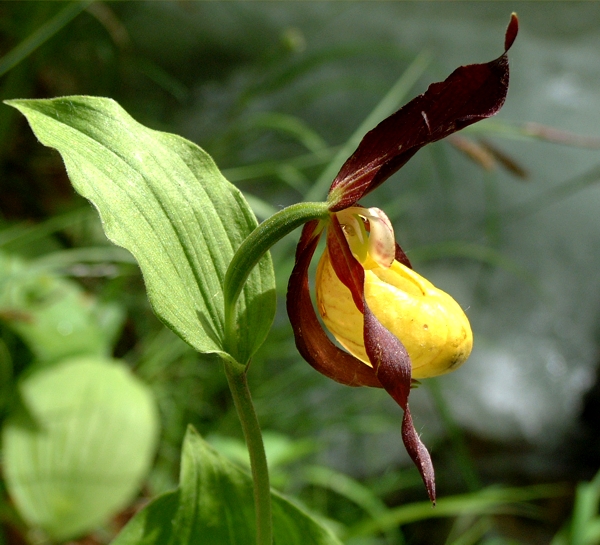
[214,506]
[78,448]
[162,198]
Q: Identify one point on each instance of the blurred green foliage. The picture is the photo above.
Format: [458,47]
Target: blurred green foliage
[278,111]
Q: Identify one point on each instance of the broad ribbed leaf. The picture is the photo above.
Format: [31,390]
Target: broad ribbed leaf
[214,506]
[162,198]
[77,449]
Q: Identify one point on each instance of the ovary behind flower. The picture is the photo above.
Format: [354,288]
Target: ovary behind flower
[431,325]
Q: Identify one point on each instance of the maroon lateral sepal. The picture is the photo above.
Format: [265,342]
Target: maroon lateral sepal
[393,369]
[471,93]
[311,340]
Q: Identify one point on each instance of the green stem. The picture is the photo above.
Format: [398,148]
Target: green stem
[254,247]
[238,384]
[245,259]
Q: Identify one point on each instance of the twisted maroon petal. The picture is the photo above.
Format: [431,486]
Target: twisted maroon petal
[311,340]
[386,353]
[393,369]
[347,269]
[471,93]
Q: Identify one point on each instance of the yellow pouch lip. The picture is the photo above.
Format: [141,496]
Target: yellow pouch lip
[428,321]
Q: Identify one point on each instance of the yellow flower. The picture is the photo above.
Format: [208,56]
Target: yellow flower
[394,325]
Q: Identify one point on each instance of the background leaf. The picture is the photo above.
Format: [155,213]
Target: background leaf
[53,315]
[214,506]
[162,198]
[77,449]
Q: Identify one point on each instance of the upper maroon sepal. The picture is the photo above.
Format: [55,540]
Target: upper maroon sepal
[511,31]
[471,93]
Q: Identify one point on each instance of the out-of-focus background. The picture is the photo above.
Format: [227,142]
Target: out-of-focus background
[506,218]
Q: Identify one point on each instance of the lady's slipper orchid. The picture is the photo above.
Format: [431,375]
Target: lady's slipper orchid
[395,325]
[431,325]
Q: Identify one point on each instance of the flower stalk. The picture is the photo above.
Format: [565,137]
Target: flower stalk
[254,247]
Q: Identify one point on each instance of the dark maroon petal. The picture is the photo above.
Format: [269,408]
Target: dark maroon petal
[311,340]
[402,257]
[393,368]
[419,453]
[386,353]
[471,93]
[347,269]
